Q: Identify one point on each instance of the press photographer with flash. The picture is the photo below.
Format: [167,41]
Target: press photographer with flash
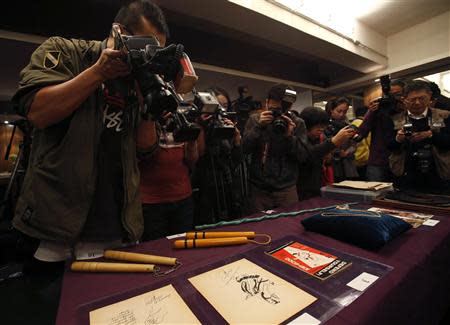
[420,157]
[275,139]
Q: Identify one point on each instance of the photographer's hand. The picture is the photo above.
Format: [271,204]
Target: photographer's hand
[54,103]
[110,65]
[400,137]
[343,136]
[237,134]
[265,118]
[290,126]
[419,136]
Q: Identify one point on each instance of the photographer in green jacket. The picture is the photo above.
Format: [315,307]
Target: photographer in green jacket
[80,193]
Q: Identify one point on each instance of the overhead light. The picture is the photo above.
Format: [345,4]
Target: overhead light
[6,122]
[376,80]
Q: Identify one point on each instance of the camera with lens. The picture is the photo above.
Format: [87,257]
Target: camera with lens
[408,129]
[334,127]
[215,128]
[159,72]
[424,159]
[387,101]
[279,124]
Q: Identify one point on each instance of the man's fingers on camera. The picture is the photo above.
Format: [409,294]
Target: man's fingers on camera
[228,121]
[113,53]
[288,119]
[347,131]
[266,118]
[419,136]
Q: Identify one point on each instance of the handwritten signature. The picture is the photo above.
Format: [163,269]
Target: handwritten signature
[155,299]
[156,316]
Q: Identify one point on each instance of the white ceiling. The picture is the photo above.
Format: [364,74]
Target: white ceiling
[392,16]
[442,79]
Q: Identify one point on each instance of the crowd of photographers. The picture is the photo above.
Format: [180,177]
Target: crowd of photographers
[119,156]
[279,156]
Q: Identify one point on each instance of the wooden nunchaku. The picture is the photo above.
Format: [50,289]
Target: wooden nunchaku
[146,263]
[139,258]
[199,239]
[219,234]
[212,242]
[111,267]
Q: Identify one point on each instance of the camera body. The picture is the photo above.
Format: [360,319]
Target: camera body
[334,127]
[408,129]
[279,124]
[387,101]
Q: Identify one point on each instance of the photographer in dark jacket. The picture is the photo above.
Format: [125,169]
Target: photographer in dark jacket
[311,171]
[378,122]
[420,157]
[276,142]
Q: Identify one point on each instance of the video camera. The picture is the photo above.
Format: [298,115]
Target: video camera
[216,128]
[161,74]
[279,124]
[181,123]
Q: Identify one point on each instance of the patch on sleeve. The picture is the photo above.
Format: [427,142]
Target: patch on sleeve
[51,59]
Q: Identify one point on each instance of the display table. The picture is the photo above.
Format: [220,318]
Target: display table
[416,291]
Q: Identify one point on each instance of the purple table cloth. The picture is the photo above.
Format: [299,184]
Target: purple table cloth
[416,291]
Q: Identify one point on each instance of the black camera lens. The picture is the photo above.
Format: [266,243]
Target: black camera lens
[279,125]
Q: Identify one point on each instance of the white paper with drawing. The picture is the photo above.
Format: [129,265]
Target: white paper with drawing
[242,292]
[160,306]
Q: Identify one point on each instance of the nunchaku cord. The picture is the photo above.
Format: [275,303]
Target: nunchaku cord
[268,241]
[159,273]
[267,217]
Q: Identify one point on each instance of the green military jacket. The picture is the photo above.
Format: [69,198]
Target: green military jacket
[60,181]
[441,158]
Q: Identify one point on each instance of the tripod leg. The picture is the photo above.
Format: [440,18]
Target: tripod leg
[213,166]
